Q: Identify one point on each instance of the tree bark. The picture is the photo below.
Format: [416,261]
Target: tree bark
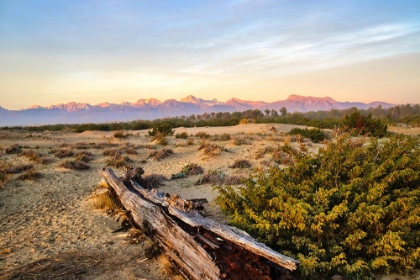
[199,247]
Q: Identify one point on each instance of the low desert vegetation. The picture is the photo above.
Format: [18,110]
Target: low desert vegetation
[81,146]
[238,141]
[210,149]
[161,130]
[222,137]
[4,175]
[30,174]
[241,163]
[316,135]
[118,161]
[13,149]
[83,156]
[182,135]
[160,154]
[17,169]
[103,200]
[188,170]
[202,135]
[215,177]
[74,165]
[352,210]
[121,134]
[64,153]
[152,181]
[131,151]
[163,141]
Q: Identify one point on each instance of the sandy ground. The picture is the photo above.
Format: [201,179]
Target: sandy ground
[49,224]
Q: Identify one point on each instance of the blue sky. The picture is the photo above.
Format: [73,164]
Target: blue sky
[95,51]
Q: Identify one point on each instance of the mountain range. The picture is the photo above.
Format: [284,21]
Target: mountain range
[152,108]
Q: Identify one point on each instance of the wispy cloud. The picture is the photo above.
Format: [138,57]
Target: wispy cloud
[191,44]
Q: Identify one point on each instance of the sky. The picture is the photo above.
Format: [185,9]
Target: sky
[97,50]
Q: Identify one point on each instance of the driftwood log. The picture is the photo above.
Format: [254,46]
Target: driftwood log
[198,247]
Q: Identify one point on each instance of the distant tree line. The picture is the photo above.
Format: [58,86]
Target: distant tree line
[373,121]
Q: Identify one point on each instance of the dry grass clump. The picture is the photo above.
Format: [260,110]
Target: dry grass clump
[103,200]
[240,141]
[187,170]
[30,174]
[241,163]
[35,157]
[182,135]
[153,181]
[163,141]
[211,149]
[188,142]
[64,153]
[222,137]
[261,152]
[121,134]
[192,169]
[4,176]
[131,151]
[118,161]
[102,145]
[81,146]
[17,169]
[160,154]
[202,135]
[218,178]
[110,152]
[14,149]
[84,156]
[74,165]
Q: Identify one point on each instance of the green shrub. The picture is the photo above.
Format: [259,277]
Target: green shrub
[315,134]
[202,135]
[187,170]
[352,210]
[121,134]
[359,124]
[182,135]
[164,129]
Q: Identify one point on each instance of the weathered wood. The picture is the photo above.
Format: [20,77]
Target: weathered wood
[237,236]
[192,242]
[191,257]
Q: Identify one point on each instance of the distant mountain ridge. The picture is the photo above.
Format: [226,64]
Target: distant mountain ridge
[152,108]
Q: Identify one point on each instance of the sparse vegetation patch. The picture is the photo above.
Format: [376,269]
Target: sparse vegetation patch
[152,181]
[241,163]
[14,149]
[74,165]
[64,153]
[187,170]
[182,135]
[211,149]
[160,154]
[215,177]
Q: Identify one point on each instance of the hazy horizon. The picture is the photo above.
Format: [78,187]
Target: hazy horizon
[55,52]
